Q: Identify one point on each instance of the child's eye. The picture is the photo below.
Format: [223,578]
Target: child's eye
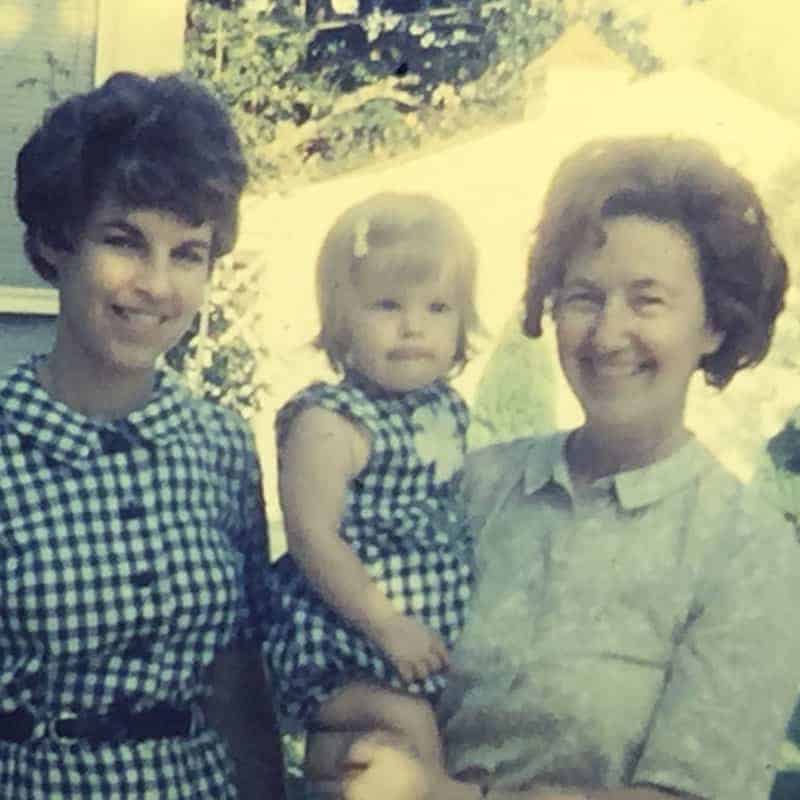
[440,307]
[648,301]
[386,304]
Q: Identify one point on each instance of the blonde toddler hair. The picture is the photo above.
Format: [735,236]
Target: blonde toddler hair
[405,237]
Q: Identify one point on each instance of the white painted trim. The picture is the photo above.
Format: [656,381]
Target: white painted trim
[25,300]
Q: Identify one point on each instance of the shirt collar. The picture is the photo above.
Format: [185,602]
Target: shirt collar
[71,436]
[633,488]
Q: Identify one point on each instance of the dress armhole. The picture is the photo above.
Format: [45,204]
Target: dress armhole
[334,400]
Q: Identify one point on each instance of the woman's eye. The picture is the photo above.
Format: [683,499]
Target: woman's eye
[191,257]
[440,307]
[386,304]
[580,300]
[121,241]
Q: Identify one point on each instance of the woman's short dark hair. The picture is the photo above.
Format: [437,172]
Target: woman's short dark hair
[685,182]
[163,143]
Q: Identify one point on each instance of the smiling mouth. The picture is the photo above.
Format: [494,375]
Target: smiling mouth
[612,370]
[138,316]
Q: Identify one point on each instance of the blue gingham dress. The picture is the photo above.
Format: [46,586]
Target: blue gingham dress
[403,518]
[130,553]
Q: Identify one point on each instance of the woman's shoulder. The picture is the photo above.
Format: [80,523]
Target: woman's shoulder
[505,455]
[488,468]
[17,389]
[210,418]
[733,516]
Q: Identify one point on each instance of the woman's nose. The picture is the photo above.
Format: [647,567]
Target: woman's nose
[155,276]
[612,325]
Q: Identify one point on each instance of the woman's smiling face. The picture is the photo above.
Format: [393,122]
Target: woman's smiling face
[631,326]
[130,289]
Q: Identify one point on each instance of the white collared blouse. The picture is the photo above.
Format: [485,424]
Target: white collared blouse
[636,632]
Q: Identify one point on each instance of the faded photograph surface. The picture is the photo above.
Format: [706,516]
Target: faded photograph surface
[512,315]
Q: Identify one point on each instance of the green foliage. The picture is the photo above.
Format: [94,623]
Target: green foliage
[308,107]
[252,60]
[223,361]
[777,478]
[516,394]
[626,38]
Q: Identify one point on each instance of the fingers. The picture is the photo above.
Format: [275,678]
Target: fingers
[441,652]
[433,657]
[419,669]
[407,670]
[434,660]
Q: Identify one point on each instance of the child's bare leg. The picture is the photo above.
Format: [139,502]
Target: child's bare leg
[363,705]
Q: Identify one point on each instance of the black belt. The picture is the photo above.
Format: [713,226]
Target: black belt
[162,721]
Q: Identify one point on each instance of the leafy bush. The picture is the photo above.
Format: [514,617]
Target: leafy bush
[309,102]
[626,37]
[219,355]
[516,394]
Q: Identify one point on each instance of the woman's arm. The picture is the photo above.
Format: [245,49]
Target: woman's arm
[240,709]
[590,794]
[321,454]
[346,765]
[635,793]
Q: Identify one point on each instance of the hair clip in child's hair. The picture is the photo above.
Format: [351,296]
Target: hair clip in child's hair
[360,233]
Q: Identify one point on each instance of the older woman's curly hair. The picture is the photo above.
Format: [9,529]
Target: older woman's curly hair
[685,182]
[163,143]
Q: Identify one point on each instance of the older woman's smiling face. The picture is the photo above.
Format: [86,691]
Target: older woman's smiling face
[631,326]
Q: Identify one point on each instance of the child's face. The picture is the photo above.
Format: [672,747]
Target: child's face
[404,337]
[130,289]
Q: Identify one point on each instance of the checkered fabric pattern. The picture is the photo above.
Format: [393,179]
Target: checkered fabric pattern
[130,553]
[403,518]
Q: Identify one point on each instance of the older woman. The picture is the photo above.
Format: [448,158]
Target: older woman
[132,532]
[628,638]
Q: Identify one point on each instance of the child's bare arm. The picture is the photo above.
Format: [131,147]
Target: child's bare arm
[322,453]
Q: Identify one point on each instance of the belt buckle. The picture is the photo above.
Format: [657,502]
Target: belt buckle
[52,728]
[197,719]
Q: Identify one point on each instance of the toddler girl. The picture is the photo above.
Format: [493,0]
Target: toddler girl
[375,586]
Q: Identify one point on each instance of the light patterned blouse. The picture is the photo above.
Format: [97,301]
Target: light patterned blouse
[635,632]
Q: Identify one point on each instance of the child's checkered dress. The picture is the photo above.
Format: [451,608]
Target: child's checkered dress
[130,553]
[404,520]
